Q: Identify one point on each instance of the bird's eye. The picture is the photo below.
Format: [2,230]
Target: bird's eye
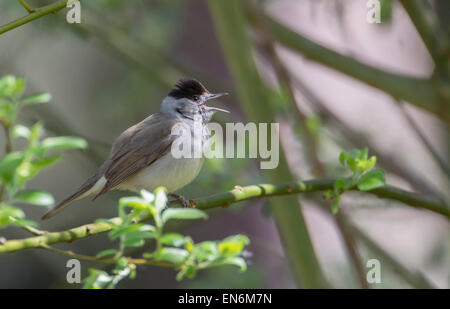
[195,98]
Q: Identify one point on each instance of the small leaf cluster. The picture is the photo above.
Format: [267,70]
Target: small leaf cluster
[171,249]
[364,176]
[19,167]
[99,279]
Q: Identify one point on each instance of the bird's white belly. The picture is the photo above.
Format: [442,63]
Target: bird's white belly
[167,171]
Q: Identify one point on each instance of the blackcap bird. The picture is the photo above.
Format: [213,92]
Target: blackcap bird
[141,157]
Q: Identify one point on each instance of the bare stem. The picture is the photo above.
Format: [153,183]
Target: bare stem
[227,198]
[35,14]
[104,260]
[417,91]
[26,6]
[444,167]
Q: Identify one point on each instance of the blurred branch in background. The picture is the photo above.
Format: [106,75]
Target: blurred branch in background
[162,67]
[415,279]
[359,140]
[285,81]
[417,91]
[427,145]
[225,199]
[311,148]
[427,24]
[230,25]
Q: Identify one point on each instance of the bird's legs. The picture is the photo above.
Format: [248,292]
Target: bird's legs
[181,199]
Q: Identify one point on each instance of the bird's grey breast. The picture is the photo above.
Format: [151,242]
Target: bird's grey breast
[173,172]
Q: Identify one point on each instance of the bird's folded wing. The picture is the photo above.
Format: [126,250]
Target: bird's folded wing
[137,148]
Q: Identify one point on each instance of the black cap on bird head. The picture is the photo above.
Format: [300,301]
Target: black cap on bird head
[188,88]
[192,89]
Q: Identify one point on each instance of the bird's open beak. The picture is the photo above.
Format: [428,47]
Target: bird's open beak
[215,96]
[216,109]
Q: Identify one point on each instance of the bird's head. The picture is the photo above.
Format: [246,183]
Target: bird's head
[188,99]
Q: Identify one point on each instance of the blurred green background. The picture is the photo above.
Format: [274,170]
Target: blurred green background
[114,69]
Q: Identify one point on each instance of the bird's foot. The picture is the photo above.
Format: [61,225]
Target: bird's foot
[180,199]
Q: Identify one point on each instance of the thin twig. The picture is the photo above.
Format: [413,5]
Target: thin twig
[26,6]
[427,24]
[357,139]
[416,279]
[284,79]
[29,228]
[417,91]
[444,167]
[74,255]
[37,13]
[227,198]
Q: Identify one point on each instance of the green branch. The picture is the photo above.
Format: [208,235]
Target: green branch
[238,194]
[26,6]
[417,91]
[34,14]
[427,24]
[104,260]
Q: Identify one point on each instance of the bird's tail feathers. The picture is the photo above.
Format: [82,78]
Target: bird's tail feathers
[80,193]
[63,204]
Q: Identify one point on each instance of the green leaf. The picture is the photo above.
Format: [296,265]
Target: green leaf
[140,234]
[26,171]
[173,255]
[340,186]
[366,165]
[133,242]
[97,279]
[20,131]
[5,82]
[130,228]
[233,245]
[355,153]
[352,164]
[37,98]
[11,86]
[106,252]
[8,112]
[63,142]
[6,212]
[133,202]
[147,196]
[36,132]
[371,180]
[236,261]
[335,205]
[206,251]
[343,157]
[46,161]
[188,270]
[173,239]
[183,213]
[9,164]
[364,154]
[122,264]
[35,197]
[160,199]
